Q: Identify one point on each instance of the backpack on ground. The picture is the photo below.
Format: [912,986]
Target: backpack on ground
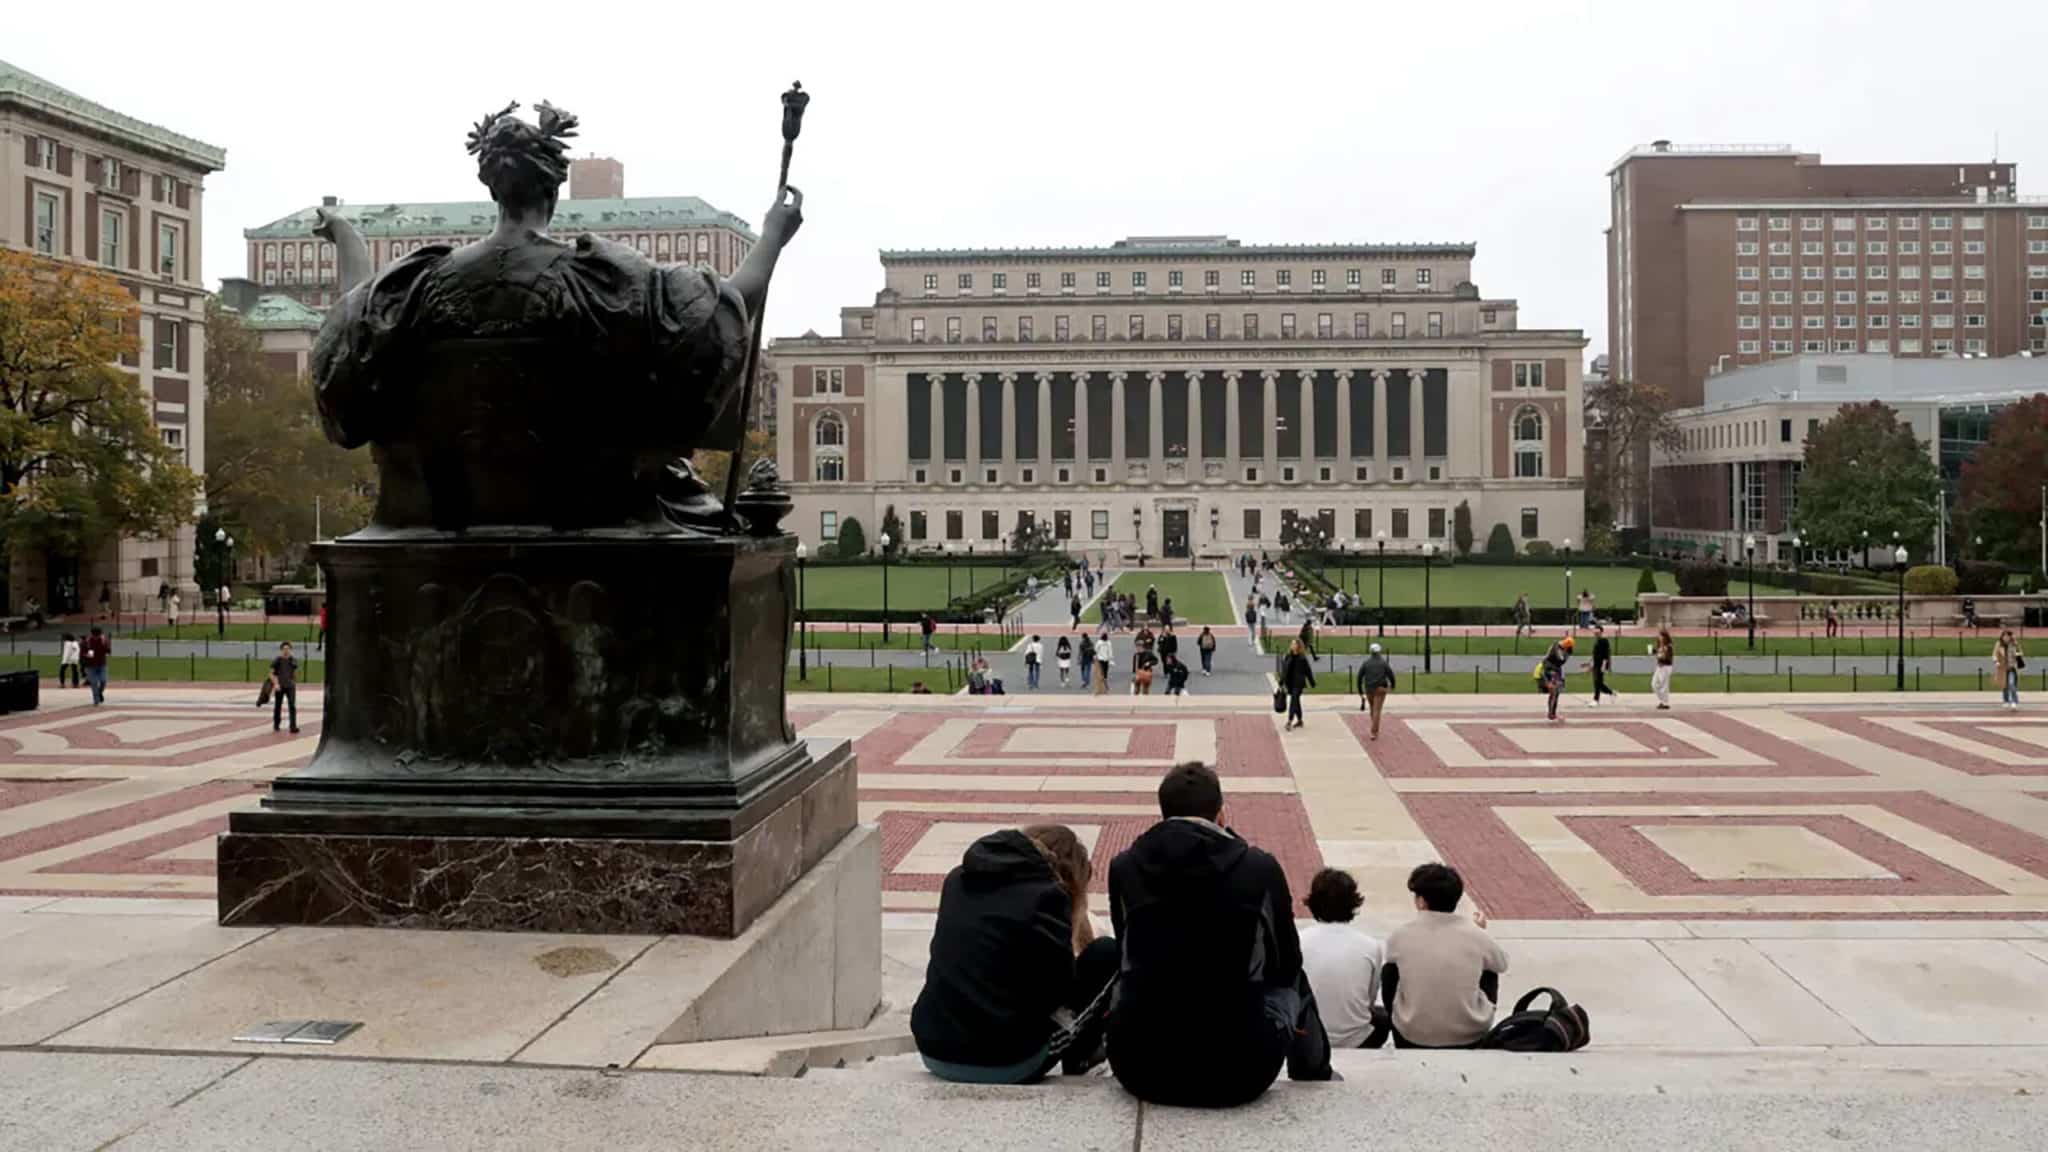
[1562,1027]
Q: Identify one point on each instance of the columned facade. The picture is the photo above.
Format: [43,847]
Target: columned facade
[1173,417]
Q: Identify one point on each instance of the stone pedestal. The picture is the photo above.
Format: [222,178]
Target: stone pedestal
[556,732]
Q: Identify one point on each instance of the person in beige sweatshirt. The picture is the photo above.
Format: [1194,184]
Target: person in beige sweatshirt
[1442,975]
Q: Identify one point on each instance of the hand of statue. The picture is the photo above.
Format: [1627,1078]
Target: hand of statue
[784,218]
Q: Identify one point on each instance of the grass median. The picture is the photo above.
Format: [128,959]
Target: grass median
[1200,597]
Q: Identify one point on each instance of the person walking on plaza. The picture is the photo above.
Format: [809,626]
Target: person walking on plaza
[1104,657]
[2008,660]
[1166,611]
[284,686]
[1064,653]
[1834,619]
[1522,616]
[1152,601]
[1033,653]
[1074,610]
[1297,675]
[1586,608]
[1206,645]
[1087,655]
[1375,680]
[67,663]
[93,655]
[1553,671]
[322,641]
[1251,622]
[926,629]
[1176,676]
[1307,637]
[177,606]
[1603,664]
[1143,663]
[1664,654]
[106,600]
[220,603]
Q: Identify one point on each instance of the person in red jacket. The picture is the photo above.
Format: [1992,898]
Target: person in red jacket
[93,655]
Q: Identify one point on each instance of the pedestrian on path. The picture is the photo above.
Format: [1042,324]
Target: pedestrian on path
[1152,601]
[1375,680]
[1251,623]
[1104,657]
[1033,653]
[2009,660]
[93,655]
[1074,609]
[926,629]
[1603,664]
[1064,653]
[1834,619]
[1087,660]
[1522,616]
[177,606]
[1206,645]
[284,685]
[1297,675]
[1586,608]
[1143,664]
[67,663]
[1176,676]
[1552,671]
[1665,654]
[1168,643]
[1166,610]
[1307,637]
[220,603]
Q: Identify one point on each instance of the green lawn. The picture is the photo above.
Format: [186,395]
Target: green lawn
[912,587]
[1198,597]
[1474,584]
[131,666]
[292,628]
[941,679]
[903,636]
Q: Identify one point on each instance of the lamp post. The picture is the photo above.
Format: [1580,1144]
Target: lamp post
[1428,552]
[1749,561]
[1568,615]
[1138,531]
[1380,609]
[1798,569]
[803,652]
[1215,524]
[885,587]
[220,601]
[1899,560]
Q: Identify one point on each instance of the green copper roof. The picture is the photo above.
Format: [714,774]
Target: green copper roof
[275,313]
[1179,246]
[39,95]
[475,217]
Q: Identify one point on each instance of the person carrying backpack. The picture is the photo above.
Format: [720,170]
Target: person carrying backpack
[1034,652]
[1375,680]
[1206,645]
[1551,672]
[1087,654]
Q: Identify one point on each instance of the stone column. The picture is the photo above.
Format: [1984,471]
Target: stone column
[937,417]
[1045,472]
[1009,454]
[1116,427]
[1379,425]
[1270,413]
[1416,471]
[1308,423]
[1232,469]
[973,427]
[1197,463]
[1083,472]
[1344,469]
[1155,471]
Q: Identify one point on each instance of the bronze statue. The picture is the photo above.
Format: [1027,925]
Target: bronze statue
[521,381]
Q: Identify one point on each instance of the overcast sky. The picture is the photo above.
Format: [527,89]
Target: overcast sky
[967,124]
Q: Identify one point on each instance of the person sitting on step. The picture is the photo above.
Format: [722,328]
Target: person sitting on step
[1441,980]
[1343,963]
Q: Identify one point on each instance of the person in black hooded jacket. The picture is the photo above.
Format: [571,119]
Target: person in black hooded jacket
[1212,999]
[1017,983]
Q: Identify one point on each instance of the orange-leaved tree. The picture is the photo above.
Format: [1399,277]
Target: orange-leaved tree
[80,459]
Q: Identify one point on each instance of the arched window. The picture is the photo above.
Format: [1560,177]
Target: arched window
[1527,446]
[831,431]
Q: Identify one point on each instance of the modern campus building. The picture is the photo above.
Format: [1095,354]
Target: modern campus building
[1738,471]
[286,258]
[1721,258]
[1174,396]
[83,183]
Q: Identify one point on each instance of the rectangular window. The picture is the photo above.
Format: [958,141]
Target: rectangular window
[1813,321]
[1137,281]
[111,220]
[1066,281]
[174,437]
[1877,346]
[828,526]
[952,329]
[1781,322]
[1062,524]
[1877,296]
[1781,272]
[1284,278]
[967,281]
[1747,272]
[931,281]
[1361,325]
[1173,279]
[1781,223]
[998,281]
[1287,325]
[1876,248]
[1845,272]
[1212,279]
[1781,248]
[1973,271]
[1813,272]
[1024,328]
[1399,529]
[1781,297]
[1847,320]
[1745,248]
[1249,278]
[167,249]
[48,211]
[1353,277]
[1529,374]
[918,524]
[1813,346]
[1973,320]
[1436,523]
[1137,327]
[1944,320]
[1809,223]
[1944,347]
[1173,327]
[1251,325]
[1745,322]
[1400,326]
[1909,320]
[988,329]
[1749,347]
[1251,523]
[1878,320]
[1809,248]
[956,524]
[1062,328]
[1845,223]
[1436,325]
[1529,524]
[834,380]
[1973,223]
[168,335]
[1387,277]
[1745,223]
[1098,327]
[1031,280]
[1326,325]
[1944,296]
[1909,247]
[1212,326]
[991,524]
[1909,347]
[1423,277]
[1102,281]
[1810,297]
[1781,347]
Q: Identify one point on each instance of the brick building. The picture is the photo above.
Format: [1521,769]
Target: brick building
[84,183]
[1176,396]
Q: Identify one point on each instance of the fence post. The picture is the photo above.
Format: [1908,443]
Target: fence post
[892,677]
[1475,679]
[1853,679]
[1916,679]
[192,663]
[245,666]
[138,665]
[828,678]
[1726,686]
[1788,681]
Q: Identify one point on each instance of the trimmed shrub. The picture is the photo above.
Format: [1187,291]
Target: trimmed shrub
[1500,542]
[853,539]
[1702,579]
[1930,580]
[1461,528]
[1647,582]
[1538,548]
[1980,577]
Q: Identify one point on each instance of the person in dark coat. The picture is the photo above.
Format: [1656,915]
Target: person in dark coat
[1297,675]
[1176,676]
[1212,1000]
[1603,664]
[1375,680]
[1017,983]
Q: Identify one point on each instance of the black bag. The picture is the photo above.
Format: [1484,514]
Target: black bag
[1562,1027]
[263,694]
[1280,700]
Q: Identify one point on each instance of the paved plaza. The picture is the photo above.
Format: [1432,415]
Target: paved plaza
[1841,895]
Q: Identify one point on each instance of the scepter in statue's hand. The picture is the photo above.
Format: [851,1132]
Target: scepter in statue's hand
[777,228]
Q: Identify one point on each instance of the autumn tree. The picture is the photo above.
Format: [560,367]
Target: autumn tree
[268,465]
[1865,471]
[81,461]
[1637,418]
[712,465]
[2001,489]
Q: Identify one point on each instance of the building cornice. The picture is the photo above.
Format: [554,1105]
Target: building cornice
[38,97]
[1171,253]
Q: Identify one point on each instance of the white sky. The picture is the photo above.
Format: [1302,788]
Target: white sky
[972,124]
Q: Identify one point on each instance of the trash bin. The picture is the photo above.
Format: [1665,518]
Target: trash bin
[20,691]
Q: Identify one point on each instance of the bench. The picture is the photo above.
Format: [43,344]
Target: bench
[1719,623]
[1984,620]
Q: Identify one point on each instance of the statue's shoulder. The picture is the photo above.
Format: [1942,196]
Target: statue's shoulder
[596,249]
